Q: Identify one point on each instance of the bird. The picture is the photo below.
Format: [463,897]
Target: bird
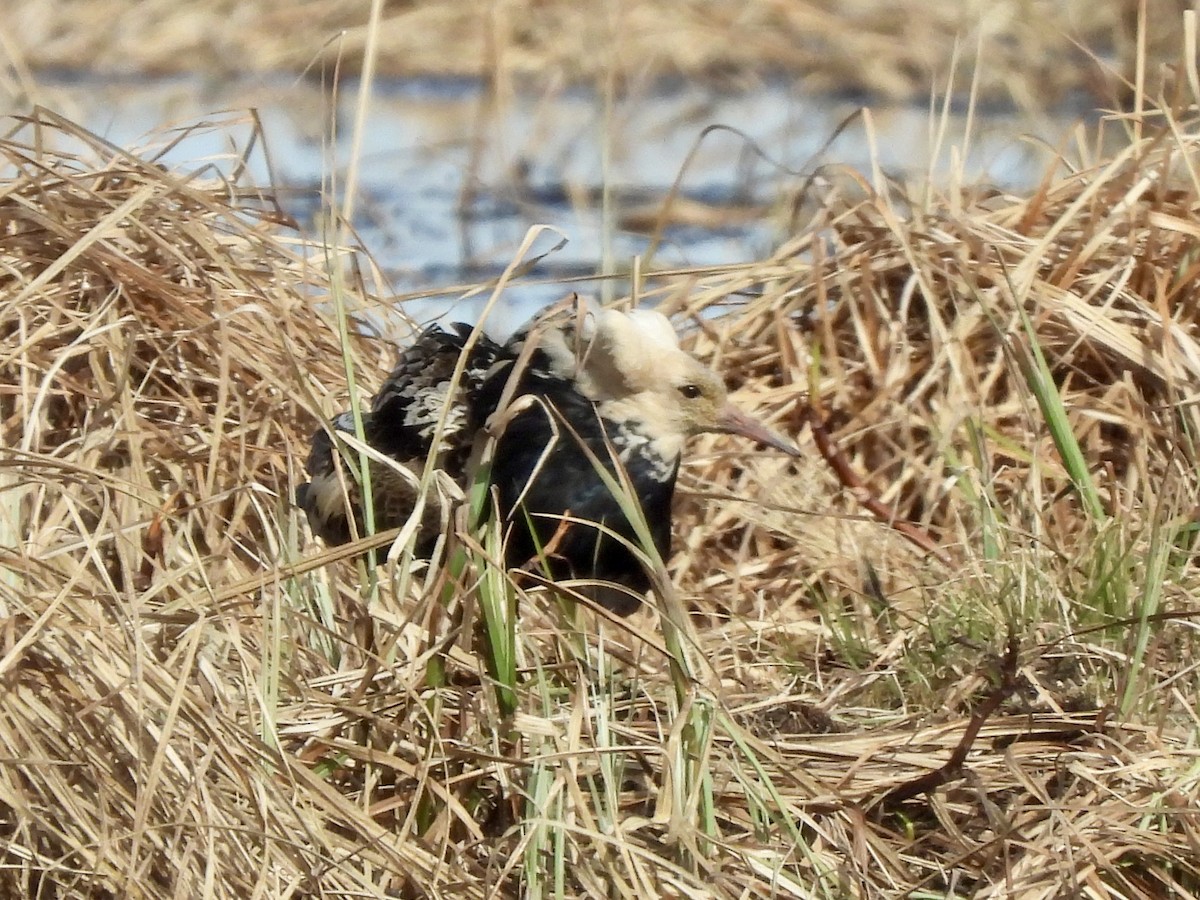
[578,390]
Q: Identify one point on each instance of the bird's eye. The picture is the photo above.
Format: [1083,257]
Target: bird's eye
[690,391]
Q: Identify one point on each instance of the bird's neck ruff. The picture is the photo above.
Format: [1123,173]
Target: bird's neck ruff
[616,360]
[634,431]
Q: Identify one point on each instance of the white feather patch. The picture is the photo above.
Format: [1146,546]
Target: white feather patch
[634,351]
[653,329]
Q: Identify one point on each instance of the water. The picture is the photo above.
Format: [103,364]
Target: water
[449,184]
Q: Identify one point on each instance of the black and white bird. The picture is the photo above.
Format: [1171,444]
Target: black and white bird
[574,390]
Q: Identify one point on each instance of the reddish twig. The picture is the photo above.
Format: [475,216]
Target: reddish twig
[941,775]
[153,542]
[854,483]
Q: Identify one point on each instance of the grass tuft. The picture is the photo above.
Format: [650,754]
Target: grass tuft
[199,702]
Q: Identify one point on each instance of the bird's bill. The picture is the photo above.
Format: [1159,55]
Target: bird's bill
[733,421]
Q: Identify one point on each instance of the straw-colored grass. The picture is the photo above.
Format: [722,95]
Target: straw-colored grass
[1032,52]
[199,702]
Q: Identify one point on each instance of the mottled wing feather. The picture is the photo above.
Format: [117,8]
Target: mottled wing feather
[421,389]
[401,424]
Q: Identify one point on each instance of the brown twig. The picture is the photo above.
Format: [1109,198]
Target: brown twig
[854,483]
[930,781]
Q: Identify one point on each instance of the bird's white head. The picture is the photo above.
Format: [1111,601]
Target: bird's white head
[636,372]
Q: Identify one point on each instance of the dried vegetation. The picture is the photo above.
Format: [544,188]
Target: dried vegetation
[1031,52]
[199,702]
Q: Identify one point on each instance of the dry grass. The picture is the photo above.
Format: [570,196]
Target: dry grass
[197,705]
[1031,51]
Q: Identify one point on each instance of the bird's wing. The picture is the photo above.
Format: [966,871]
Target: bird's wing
[418,400]
[421,398]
